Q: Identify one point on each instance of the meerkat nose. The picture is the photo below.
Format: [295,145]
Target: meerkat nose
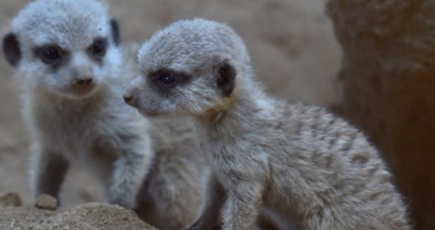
[128,98]
[84,82]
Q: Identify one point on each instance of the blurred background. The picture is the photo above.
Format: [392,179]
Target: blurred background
[296,55]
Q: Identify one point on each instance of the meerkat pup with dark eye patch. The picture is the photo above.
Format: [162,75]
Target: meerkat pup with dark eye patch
[289,161]
[74,72]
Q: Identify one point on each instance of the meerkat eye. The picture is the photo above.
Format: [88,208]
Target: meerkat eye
[50,55]
[99,48]
[168,79]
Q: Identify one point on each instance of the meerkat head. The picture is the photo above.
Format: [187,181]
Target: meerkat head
[188,68]
[65,47]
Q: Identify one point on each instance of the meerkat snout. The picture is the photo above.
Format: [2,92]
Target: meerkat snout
[128,98]
[83,86]
[131,94]
[86,81]
[128,95]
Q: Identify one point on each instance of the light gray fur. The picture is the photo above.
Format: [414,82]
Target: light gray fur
[139,162]
[293,162]
[172,194]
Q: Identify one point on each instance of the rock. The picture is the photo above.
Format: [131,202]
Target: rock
[46,202]
[10,200]
[388,79]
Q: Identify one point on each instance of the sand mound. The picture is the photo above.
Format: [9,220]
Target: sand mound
[92,216]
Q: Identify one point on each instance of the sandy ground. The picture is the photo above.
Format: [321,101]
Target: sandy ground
[90,216]
[291,42]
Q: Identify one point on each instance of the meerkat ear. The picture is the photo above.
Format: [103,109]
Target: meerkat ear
[11,49]
[225,77]
[116,34]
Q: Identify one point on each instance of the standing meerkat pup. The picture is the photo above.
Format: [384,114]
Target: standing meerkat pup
[289,161]
[73,75]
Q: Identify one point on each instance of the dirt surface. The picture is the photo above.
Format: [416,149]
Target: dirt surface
[291,42]
[91,216]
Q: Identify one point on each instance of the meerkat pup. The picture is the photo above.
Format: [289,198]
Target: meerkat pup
[73,76]
[288,161]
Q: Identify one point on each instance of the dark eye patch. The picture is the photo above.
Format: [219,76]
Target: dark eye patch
[168,79]
[165,80]
[98,48]
[51,54]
